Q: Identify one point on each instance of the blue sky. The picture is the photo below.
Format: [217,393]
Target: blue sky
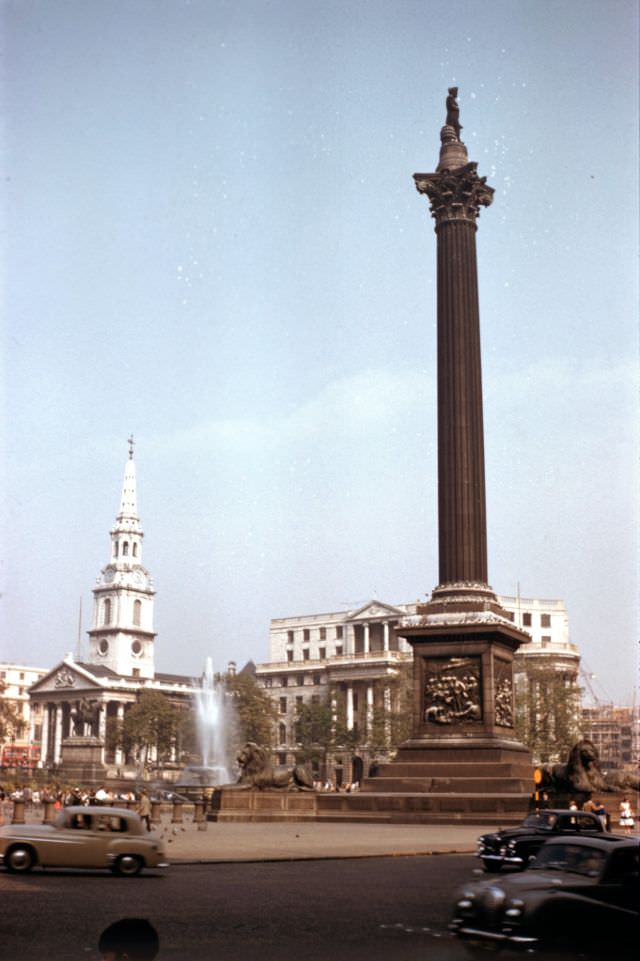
[213,241]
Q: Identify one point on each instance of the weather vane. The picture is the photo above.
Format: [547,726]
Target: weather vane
[131,443]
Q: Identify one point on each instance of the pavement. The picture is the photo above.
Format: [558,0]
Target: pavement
[302,840]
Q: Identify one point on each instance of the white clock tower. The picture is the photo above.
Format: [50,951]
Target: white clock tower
[122,636]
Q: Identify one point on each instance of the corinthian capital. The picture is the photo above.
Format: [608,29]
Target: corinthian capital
[455,194]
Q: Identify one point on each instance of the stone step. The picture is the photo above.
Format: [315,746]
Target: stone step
[480,785]
[448,769]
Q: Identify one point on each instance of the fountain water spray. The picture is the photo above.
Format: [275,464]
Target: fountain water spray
[213,722]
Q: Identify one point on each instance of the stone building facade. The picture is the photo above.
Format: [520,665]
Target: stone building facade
[18,743]
[356,658]
[615,732]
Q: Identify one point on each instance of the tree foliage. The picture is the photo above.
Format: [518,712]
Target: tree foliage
[255,712]
[547,710]
[150,726]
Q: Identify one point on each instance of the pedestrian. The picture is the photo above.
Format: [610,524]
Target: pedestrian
[626,816]
[601,811]
[589,805]
[144,809]
[134,939]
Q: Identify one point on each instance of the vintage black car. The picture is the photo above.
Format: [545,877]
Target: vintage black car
[577,891]
[514,846]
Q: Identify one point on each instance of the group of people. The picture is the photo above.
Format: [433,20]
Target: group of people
[34,798]
[626,820]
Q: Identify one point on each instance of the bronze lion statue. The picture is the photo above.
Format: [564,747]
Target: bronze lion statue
[257,772]
[582,773]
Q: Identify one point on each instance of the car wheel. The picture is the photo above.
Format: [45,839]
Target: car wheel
[492,866]
[19,859]
[128,865]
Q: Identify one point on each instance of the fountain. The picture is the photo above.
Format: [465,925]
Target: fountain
[214,724]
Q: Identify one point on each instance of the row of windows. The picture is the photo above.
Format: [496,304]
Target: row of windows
[107,611]
[545,619]
[298,681]
[322,635]
[322,653]
[299,701]
[125,549]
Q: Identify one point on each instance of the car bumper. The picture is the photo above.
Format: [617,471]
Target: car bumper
[512,859]
[469,933]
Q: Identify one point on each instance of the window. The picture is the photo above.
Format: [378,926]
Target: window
[526,619]
[355,700]
[282,733]
[323,633]
[289,655]
[299,700]
[268,681]
[136,672]
[115,549]
[316,679]
[137,609]
[135,550]
[306,635]
[338,650]
[283,705]
[545,620]
[290,637]
[338,631]
[546,640]
[284,681]
[305,654]
[322,653]
[282,758]
[300,680]
[315,698]
[106,611]
[125,548]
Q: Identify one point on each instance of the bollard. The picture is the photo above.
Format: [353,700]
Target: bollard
[198,814]
[156,812]
[47,812]
[18,812]
[176,817]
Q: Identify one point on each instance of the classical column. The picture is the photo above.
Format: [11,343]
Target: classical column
[367,638]
[456,193]
[386,636]
[349,707]
[57,736]
[387,711]
[118,752]
[369,709]
[44,736]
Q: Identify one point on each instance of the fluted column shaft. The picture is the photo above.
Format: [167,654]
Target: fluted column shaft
[461,482]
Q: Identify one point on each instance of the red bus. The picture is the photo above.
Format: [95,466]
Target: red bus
[14,755]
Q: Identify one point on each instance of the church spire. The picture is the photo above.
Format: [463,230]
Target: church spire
[122,637]
[127,520]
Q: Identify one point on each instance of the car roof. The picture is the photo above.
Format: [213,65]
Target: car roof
[559,811]
[592,840]
[98,809]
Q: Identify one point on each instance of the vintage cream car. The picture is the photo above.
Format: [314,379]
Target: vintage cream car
[83,837]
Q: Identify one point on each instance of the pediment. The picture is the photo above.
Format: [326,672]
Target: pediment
[373,610]
[66,677]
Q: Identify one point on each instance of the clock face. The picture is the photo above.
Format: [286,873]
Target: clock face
[139,577]
[109,575]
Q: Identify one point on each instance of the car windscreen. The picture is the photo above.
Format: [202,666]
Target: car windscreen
[572,858]
[542,820]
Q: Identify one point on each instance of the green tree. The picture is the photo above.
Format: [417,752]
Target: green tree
[314,732]
[547,710]
[150,724]
[255,713]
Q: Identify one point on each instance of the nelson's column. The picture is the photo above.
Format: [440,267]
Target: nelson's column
[463,641]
